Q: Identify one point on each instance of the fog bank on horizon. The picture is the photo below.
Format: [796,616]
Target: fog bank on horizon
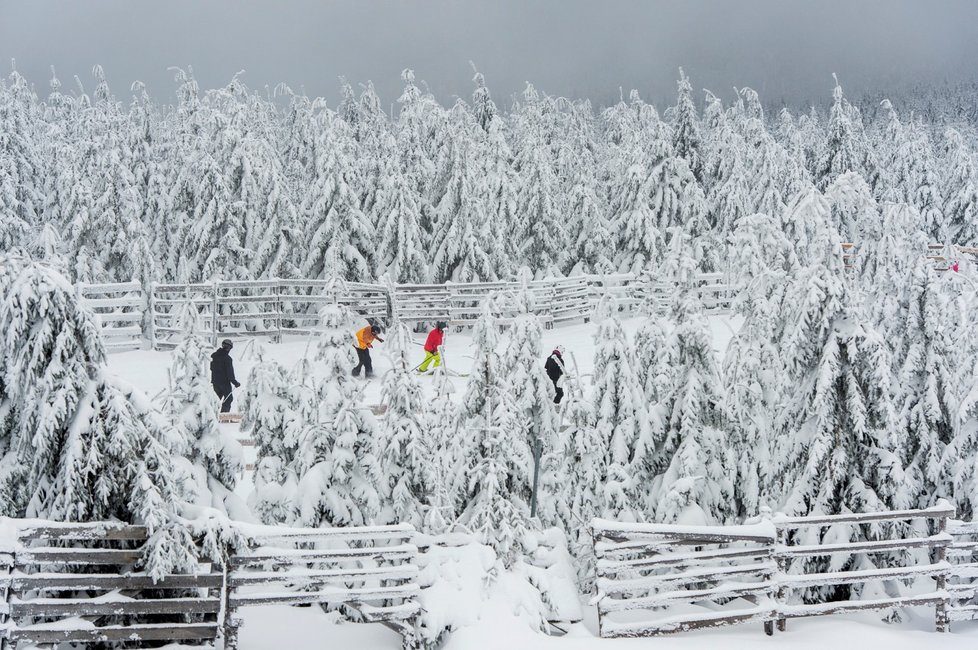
[786,50]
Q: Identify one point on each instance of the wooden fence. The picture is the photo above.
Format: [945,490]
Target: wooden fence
[81,582]
[119,309]
[275,308]
[78,583]
[370,573]
[678,578]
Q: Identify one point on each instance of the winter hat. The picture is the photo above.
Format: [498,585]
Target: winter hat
[559,350]
[440,325]
[226,344]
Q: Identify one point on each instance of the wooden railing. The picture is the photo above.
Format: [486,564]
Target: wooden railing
[78,582]
[750,573]
[275,308]
[119,309]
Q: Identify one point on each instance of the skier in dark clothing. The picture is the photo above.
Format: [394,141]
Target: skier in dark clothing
[222,374]
[555,370]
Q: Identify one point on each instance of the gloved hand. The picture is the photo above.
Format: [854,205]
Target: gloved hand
[236,384]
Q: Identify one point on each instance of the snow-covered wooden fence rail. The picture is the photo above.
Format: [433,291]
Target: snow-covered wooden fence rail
[77,583]
[279,307]
[256,307]
[369,573]
[659,573]
[120,309]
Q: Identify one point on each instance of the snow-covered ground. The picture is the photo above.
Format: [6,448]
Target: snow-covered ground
[147,369]
[286,627]
[493,623]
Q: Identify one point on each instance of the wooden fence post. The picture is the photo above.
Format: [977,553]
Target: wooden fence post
[151,320]
[782,563]
[214,286]
[940,612]
[279,308]
[230,626]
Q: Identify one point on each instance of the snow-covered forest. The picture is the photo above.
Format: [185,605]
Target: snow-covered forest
[850,384]
[234,183]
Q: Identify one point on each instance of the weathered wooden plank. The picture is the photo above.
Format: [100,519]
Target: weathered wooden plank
[671,625]
[854,577]
[398,572]
[94,531]
[100,581]
[112,303]
[288,556]
[875,546]
[733,590]
[144,632]
[77,556]
[708,574]
[82,607]
[841,607]
[392,532]
[935,512]
[337,595]
[685,559]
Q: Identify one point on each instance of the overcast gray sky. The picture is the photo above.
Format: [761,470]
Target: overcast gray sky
[785,49]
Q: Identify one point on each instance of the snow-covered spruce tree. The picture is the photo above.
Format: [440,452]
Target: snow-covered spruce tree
[406,461]
[501,185]
[883,263]
[621,422]
[446,455]
[483,107]
[594,243]
[697,484]
[336,227]
[960,193]
[855,213]
[752,367]
[807,224]
[927,388]
[531,388]
[498,459]
[654,355]
[575,471]
[267,411]
[686,139]
[835,449]
[78,444]
[842,152]
[463,229]
[925,186]
[402,256]
[964,447]
[544,240]
[216,458]
[635,229]
[337,461]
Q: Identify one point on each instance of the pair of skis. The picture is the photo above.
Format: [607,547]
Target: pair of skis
[443,366]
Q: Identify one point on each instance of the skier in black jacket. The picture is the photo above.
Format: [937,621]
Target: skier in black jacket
[555,370]
[222,374]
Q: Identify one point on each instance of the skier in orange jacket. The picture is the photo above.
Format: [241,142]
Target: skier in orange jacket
[365,340]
